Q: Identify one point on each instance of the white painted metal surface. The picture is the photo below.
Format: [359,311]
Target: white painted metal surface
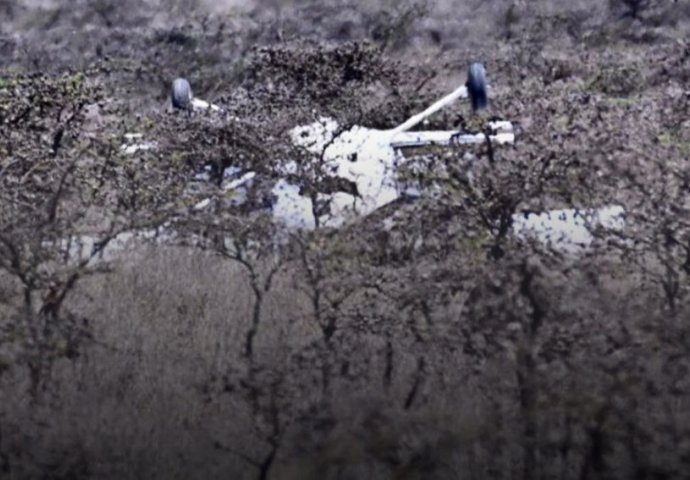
[199,104]
[369,159]
[460,92]
[501,133]
[568,230]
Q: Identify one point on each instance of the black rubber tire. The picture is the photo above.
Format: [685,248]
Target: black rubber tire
[181,95]
[476,87]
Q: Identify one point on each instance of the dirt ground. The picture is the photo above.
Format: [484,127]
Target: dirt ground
[422,342]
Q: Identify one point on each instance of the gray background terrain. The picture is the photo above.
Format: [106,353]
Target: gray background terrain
[436,348]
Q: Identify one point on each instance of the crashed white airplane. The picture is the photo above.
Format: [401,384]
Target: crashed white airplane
[371,159]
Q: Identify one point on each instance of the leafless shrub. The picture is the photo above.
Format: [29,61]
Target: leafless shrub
[58,184]
[393,28]
[422,341]
[634,8]
[623,80]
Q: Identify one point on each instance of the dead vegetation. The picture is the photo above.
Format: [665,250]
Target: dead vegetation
[422,342]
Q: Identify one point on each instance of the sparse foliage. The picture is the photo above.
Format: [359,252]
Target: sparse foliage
[634,8]
[424,341]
